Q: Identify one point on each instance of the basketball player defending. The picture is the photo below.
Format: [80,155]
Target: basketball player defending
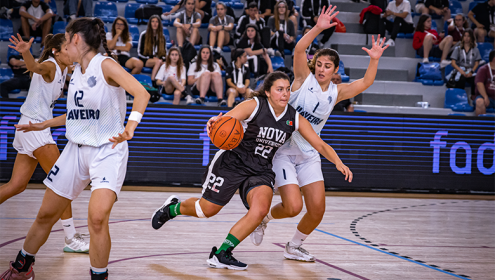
[96,108]
[297,164]
[47,83]
[269,122]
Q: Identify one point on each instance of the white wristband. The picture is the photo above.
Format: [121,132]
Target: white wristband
[135,116]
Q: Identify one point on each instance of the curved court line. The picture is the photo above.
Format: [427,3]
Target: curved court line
[378,250]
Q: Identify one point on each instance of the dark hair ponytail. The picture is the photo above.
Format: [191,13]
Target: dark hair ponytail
[51,42]
[92,31]
[268,83]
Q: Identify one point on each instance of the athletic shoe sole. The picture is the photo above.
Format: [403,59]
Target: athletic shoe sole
[69,250]
[297,258]
[164,204]
[214,263]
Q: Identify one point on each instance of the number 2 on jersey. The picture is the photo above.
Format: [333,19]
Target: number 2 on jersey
[263,150]
[215,182]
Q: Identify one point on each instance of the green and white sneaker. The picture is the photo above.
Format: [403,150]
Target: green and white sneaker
[76,245]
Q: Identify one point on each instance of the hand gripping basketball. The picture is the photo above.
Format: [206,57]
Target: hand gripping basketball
[226,132]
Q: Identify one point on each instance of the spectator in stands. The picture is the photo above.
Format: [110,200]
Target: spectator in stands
[119,41]
[176,9]
[311,9]
[74,8]
[21,79]
[238,77]
[282,30]
[172,75]
[36,19]
[205,77]
[427,42]
[420,7]
[456,28]
[259,61]
[439,7]
[485,87]
[151,46]
[344,105]
[483,16]
[396,19]
[311,50]
[466,57]
[293,14]
[252,17]
[265,7]
[203,7]
[220,28]
[188,22]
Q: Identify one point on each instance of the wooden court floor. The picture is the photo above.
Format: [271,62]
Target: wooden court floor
[359,238]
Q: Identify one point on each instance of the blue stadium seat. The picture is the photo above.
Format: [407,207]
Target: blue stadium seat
[147,70]
[213,4]
[485,49]
[434,25]
[204,25]
[106,11]
[129,12]
[341,71]
[237,5]
[172,2]
[6,29]
[134,30]
[486,116]
[59,26]
[119,1]
[287,52]
[147,1]
[457,100]
[447,71]
[455,7]
[166,34]
[298,37]
[11,52]
[5,74]
[297,8]
[53,6]
[405,35]
[143,78]
[457,114]
[126,69]
[277,62]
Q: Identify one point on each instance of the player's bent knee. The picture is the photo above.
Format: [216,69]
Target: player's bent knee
[97,222]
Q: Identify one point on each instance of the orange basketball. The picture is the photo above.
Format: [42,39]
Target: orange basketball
[226,133]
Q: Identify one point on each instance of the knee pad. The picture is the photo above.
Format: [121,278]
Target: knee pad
[199,211]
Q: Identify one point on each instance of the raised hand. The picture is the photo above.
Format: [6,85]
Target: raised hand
[326,17]
[377,48]
[126,135]
[346,171]
[30,127]
[19,44]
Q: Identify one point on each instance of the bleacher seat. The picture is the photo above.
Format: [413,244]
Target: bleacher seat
[277,62]
[447,70]
[287,52]
[429,74]
[59,27]
[213,4]
[434,25]
[405,35]
[147,70]
[485,49]
[106,11]
[5,74]
[119,1]
[153,2]
[6,29]
[134,31]
[341,71]
[53,6]
[455,7]
[143,78]
[236,5]
[457,100]
[171,2]
[129,12]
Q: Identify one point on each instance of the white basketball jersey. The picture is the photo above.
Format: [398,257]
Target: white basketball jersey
[42,95]
[316,106]
[95,109]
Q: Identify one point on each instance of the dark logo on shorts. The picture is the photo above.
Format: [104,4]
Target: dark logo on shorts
[92,81]
[104,180]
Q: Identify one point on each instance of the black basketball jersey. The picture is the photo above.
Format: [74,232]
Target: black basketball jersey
[264,133]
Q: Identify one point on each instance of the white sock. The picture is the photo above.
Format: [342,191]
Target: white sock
[69,228]
[298,238]
[24,253]
[268,217]
[99,270]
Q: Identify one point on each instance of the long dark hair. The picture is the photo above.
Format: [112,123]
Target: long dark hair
[92,31]
[199,60]
[257,38]
[125,35]
[472,44]
[180,62]
[276,15]
[421,22]
[333,54]
[236,54]
[157,40]
[51,42]
[268,83]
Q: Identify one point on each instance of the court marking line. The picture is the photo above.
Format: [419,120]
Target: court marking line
[378,250]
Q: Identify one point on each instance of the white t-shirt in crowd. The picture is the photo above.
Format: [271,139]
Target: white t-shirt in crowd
[405,6]
[118,44]
[163,73]
[192,68]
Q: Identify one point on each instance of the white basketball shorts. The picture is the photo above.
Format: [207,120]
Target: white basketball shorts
[296,169]
[28,142]
[80,165]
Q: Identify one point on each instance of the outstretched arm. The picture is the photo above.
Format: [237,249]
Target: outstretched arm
[58,121]
[347,91]
[24,48]
[301,69]
[323,148]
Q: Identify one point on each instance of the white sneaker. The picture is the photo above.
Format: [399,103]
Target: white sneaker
[270,52]
[426,60]
[219,50]
[297,253]
[164,17]
[390,42]
[444,63]
[189,100]
[258,233]
[76,245]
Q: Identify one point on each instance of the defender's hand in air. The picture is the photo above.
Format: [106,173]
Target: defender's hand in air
[326,17]
[19,44]
[345,170]
[30,127]
[210,123]
[377,48]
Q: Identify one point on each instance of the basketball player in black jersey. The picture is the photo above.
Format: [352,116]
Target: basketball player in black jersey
[268,121]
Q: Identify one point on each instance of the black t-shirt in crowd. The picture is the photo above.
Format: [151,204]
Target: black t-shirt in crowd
[17,70]
[207,7]
[243,44]
[440,4]
[484,13]
[233,73]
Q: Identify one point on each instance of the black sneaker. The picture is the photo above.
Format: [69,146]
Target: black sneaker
[199,101]
[222,103]
[98,276]
[224,259]
[162,214]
